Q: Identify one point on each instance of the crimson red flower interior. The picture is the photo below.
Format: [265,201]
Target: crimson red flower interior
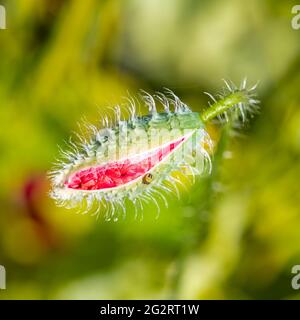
[118,173]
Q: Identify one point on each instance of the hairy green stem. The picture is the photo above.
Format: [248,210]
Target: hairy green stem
[219,107]
[198,230]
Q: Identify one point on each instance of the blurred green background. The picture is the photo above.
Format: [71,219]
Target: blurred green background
[235,234]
